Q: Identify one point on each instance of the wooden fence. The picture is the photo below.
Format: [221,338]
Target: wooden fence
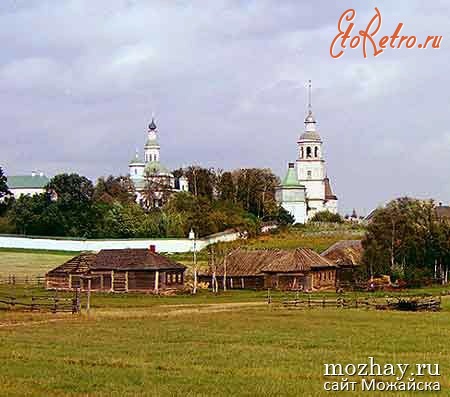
[403,303]
[14,279]
[53,304]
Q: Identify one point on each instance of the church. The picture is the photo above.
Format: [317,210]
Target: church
[306,188]
[153,182]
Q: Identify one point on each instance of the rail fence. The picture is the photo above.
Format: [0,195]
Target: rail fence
[14,279]
[402,303]
[34,303]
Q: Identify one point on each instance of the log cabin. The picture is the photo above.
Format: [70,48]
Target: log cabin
[300,269]
[347,255]
[118,270]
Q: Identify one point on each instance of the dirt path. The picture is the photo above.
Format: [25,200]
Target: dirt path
[154,311]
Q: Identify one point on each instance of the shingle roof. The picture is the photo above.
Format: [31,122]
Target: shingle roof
[27,181]
[133,259]
[77,265]
[242,262]
[299,260]
[346,253]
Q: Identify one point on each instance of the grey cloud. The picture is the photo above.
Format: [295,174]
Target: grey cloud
[79,81]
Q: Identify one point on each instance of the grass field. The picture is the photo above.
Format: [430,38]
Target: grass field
[30,263]
[232,344]
[210,350]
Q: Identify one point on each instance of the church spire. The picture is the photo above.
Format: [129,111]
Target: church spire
[310,121]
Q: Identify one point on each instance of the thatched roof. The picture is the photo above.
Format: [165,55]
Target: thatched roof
[133,259]
[345,253]
[246,263]
[79,264]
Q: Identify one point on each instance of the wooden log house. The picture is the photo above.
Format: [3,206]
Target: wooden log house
[300,269]
[118,270]
[347,255]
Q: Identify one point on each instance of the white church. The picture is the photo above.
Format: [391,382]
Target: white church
[306,188]
[150,170]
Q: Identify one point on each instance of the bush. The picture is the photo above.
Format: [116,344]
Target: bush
[326,216]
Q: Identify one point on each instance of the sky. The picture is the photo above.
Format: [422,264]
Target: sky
[225,79]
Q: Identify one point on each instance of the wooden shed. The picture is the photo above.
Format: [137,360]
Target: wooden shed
[119,270]
[347,255]
[301,269]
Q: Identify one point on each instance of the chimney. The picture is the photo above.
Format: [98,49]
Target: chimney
[152,248]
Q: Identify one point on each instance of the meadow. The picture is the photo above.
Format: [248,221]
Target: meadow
[206,350]
[230,344]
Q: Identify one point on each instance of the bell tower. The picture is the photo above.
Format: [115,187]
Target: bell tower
[152,148]
[311,170]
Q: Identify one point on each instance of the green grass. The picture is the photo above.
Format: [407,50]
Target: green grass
[256,351]
[30,263]
[137,344]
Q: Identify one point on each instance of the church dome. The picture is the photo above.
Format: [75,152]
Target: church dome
[156,168]
[152,125]
[310,136]
[136,160]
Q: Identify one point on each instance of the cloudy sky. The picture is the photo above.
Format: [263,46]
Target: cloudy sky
[80,79]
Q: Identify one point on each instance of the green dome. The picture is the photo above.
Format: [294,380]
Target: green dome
[155,167]
[290,180]
[136,160]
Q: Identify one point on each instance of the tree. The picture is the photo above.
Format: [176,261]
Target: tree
[284,217]
[226,190]
[201,181]
[156,193]
[5,194]
[70,190]
[114,189]
[406,239]
[255,190]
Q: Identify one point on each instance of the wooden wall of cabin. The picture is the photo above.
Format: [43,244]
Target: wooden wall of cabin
[324,278]
[57,281]
[236,282]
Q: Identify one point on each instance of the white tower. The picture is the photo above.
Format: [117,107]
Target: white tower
[311,171]
[152,148]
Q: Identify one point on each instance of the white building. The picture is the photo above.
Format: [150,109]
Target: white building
[149,174]
[306,188]
[20,185]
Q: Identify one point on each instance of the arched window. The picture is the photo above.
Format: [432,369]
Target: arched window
[316,152]
[301,152]
[308,152]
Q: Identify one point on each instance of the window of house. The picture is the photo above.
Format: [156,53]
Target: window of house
[301,152]
[316,152]
[308,152]
[309,174]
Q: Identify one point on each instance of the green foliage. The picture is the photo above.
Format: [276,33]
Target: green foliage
[114,189]
[408,240]
[284,217]
[326,216]
[5,194]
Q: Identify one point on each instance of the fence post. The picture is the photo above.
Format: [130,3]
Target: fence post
[269,298]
